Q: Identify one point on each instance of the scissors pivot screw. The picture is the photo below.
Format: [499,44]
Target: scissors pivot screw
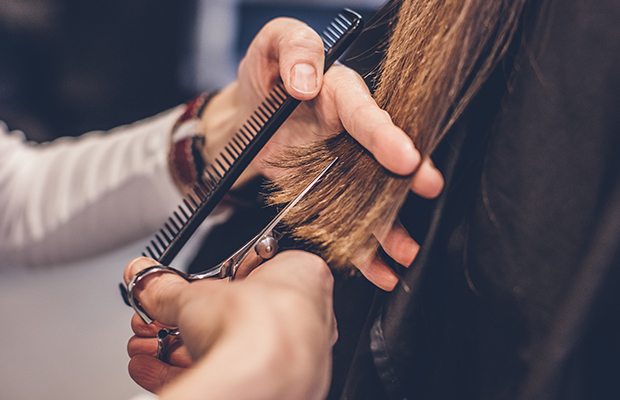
[267,247]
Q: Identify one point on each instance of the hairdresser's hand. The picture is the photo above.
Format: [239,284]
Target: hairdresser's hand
[288,49]
[144,367]
[336,101]
[268,336]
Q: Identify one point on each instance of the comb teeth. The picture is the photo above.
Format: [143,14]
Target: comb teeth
[251,128]
[221,172]
[335,30]
[172,228]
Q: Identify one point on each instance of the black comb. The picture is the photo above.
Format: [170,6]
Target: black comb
[224,170]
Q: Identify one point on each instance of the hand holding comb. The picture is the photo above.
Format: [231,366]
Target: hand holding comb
[224,170]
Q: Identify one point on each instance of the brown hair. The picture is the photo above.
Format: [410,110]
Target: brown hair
[439,54]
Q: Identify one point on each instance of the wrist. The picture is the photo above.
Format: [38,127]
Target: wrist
[187,158]
[207,125]
[221,120]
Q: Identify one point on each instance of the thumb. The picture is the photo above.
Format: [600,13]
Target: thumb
[158,293]
[298,51]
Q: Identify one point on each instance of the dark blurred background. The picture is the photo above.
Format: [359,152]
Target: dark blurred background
[71,66]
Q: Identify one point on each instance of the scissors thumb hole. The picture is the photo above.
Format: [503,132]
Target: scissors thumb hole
[160,294]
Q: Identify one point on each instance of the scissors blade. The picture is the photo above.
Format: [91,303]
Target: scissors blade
[297,199]
[229,267]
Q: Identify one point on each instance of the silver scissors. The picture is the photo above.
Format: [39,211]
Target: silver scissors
[262,247]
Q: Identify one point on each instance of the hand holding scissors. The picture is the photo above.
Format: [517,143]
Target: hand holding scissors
[262,247]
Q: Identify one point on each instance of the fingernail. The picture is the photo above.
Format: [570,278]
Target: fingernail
[303,78]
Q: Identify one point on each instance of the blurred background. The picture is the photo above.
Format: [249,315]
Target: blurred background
[72,66]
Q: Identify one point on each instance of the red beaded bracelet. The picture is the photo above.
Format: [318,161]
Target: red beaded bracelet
[186,153]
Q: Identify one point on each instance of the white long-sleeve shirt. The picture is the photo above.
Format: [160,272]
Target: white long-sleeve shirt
[73,198]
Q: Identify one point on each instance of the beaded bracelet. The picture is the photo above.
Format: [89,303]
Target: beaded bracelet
[186,157]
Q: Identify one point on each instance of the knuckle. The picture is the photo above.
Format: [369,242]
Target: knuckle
[340,74]
[137,265]
[279,21]
[303,38]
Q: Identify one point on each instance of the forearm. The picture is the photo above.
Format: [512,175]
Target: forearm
[76,197]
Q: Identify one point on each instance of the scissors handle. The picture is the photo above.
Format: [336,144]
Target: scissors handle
[242,260]
[131,299]
[165,337]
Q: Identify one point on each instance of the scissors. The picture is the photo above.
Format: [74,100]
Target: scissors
[262,247]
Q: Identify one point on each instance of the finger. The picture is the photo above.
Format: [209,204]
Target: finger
[428,181]
[142,329]
[136,265]
[371,126]
[142,346]
[157,293]
[298,51]
[176,353]
[379,273]
[309,275]
[399,245]
[151,373]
